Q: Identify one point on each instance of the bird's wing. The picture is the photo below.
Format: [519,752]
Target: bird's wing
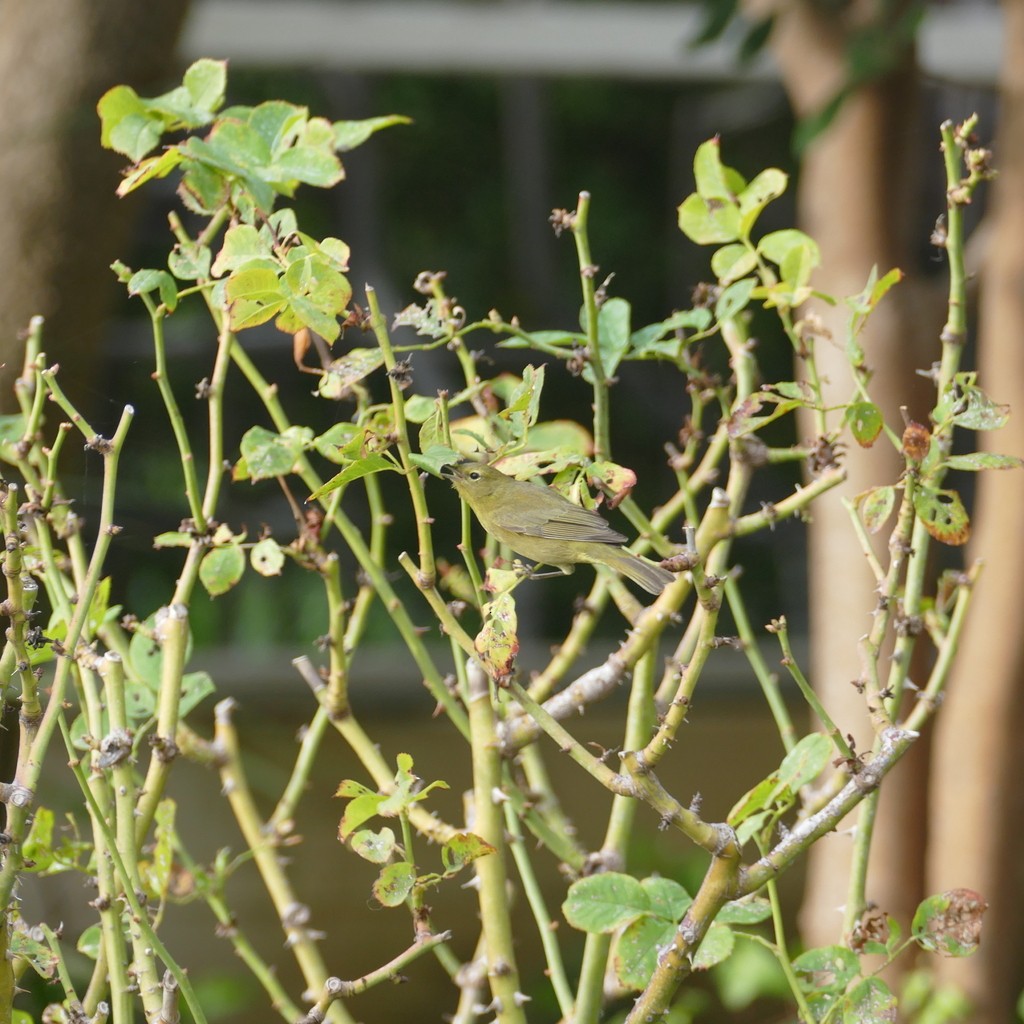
[564,522]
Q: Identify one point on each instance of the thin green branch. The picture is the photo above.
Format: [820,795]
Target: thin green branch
[427,572]
[293,915]
[781,630]
[595,362]
[490,870]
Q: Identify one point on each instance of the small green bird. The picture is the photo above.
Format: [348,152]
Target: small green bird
[538,523]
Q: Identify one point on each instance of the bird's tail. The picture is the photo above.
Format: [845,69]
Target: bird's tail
[653,578]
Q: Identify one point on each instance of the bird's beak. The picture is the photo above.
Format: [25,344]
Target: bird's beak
[448,472]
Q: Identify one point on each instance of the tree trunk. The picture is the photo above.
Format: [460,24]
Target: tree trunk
[62,224]
[977,800]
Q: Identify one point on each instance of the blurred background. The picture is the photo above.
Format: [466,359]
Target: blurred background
[516,107]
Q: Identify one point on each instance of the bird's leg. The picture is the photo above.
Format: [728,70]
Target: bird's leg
[531,572]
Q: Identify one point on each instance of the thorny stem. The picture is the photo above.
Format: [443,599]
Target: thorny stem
[171,633]
[335,988]
[293,915]
[502,971]
[555,969]
[262,971]
[157,316]
[769,680]
[588,271]
[780,629]
[427,573]
[36,734]
[140,916]
[615,847]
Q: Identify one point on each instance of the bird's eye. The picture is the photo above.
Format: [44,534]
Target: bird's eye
[474,474]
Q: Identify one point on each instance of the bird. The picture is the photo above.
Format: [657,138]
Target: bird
[540,524]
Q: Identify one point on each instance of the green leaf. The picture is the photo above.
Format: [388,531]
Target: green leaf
[88,943]
[189,261]
[270,455]
[172,539]
[732,262]
[317,294]
[798,390]
[714,181]
[430,433]
[555,343]
[114,107]
[709,222]
[950,922]
[806,761]
[254,296]
[613,333]
[142,282]
[603,903]
[795,253]
[146,654]
[372,463]
[660,339]
[350,134]
[393,885]
[734,299]
[206,81]
[943,515]
[463,848]
[768,185]
[203,190]
[376,847]
[154,167]
[983,460]
[970,407]
[157,870]
[308,165]
[715,947]
[866,422]
[636,952]
[407,789]
[350,788]
[434,459]
[419,408]
[566,437]
[754,800]
[876,506]
[668,899]
[195,688]
[359,809]
[221,568]
[36,953]
[750,974]
[348,370]
[870,1001]
[278,123]
[331,442]
[744,419]
[266,557]
[874,291]
[243,244]
[826,969]
[12,430]
[238,153]
[37,849]
[749,910]
[497,643]
[128,126]
[524,401]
